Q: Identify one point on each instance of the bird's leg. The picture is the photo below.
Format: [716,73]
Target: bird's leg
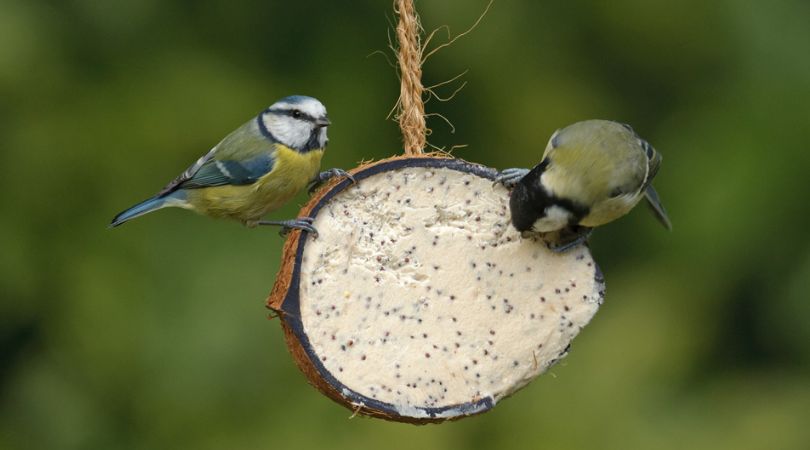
[326,175]
[570,238]
[301,223]
[510,177]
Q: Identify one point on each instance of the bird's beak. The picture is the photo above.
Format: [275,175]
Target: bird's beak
[322,122]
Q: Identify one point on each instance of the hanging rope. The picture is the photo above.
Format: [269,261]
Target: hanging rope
[412,108]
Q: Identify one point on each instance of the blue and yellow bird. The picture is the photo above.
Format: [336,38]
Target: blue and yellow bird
[254,170]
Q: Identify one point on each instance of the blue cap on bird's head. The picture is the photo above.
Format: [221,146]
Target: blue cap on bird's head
[296,99]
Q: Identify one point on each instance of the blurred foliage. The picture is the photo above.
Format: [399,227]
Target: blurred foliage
[155,335]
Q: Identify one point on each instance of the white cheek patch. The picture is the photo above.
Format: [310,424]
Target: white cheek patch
[287,130]
[556,218]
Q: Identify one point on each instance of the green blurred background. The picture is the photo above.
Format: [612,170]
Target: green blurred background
[155,336]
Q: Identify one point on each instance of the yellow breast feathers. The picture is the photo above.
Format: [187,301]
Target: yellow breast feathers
[291,173]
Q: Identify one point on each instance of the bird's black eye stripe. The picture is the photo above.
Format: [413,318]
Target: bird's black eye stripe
[294,113]
[298,114]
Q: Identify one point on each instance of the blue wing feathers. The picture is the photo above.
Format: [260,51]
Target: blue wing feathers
[221,172]
[187,174]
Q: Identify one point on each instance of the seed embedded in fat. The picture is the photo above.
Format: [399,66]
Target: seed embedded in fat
[426,255]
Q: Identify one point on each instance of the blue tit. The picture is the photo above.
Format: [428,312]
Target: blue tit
[592,172]
[254,170]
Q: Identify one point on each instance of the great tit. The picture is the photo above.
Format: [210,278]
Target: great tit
[592,172]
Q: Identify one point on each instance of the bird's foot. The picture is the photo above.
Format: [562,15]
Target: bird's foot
[510,177]
[327,175]
[569,238]
[301,223]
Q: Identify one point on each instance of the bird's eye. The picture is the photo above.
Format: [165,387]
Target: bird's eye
[297,114]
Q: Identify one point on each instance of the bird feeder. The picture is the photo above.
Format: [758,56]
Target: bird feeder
[418,301]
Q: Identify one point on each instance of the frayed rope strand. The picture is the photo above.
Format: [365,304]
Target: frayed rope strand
[412,53]
[412,107]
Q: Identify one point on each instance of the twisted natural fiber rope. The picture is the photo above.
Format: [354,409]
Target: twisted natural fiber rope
[412,108]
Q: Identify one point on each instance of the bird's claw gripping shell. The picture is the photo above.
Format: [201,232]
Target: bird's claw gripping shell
[510,177]
[301,223]
[327,175]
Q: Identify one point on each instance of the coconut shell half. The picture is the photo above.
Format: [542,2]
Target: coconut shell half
[418,301]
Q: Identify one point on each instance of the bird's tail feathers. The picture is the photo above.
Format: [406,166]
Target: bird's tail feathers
[657,208]
[176,198]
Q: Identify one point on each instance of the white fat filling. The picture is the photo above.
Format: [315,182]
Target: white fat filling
[419,293]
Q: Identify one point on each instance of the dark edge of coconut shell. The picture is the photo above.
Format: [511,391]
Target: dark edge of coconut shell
[285,301]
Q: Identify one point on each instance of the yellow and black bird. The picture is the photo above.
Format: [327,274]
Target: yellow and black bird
[591,173]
